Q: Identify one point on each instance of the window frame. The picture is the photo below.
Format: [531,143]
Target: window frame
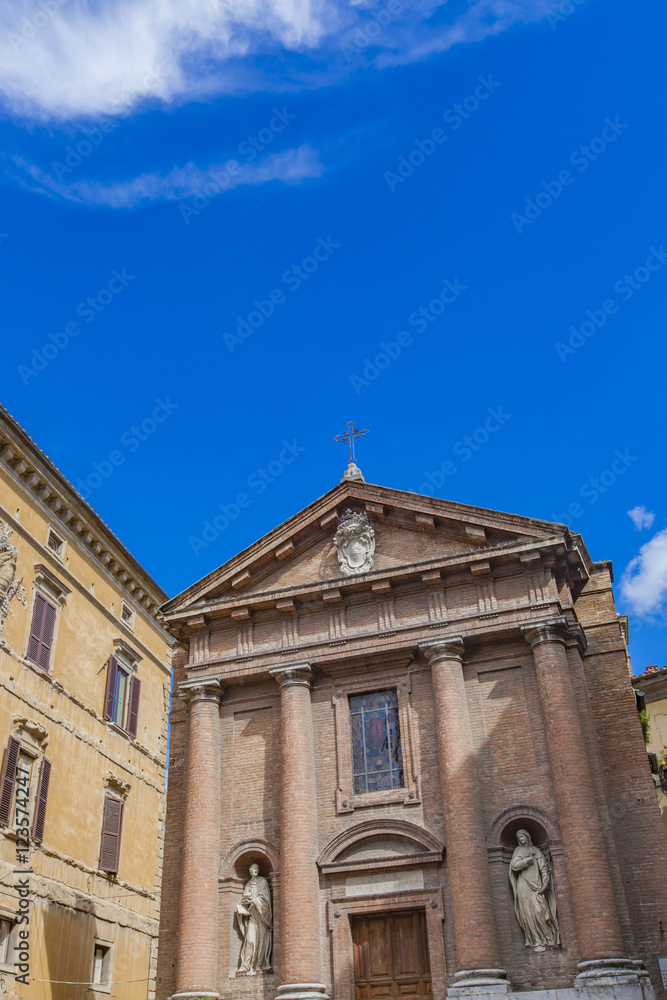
[7,918]
[362,710]
[408,795]
[127,662]
[58,552]
[130,620]
[104,986]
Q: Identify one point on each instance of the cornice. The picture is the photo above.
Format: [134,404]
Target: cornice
[494,555]
[36,474]
[282,540]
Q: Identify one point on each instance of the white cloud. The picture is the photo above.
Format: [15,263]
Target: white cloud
[641,517]
[644,582]
[62,60]
[290,167]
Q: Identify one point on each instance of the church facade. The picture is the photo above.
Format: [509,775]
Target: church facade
[405,762]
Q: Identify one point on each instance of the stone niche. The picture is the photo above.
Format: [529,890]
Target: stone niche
[234,874]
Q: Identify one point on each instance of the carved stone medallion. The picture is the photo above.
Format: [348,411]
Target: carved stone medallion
[355,543]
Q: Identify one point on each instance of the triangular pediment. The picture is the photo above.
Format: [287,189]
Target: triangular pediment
[409,531]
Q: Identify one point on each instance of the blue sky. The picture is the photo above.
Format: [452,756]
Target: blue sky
[256,196]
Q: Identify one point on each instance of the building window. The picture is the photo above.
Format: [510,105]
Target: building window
[122,697]
[127,615]
[7,928]
[23,795]
[112,828]
[41,632]
[101,974]
[377,760]
[56,543]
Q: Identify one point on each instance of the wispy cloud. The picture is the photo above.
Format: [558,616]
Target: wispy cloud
[641,518]
[644,582]
[62,60]
[290,167]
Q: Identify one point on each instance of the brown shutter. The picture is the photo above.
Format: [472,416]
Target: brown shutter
[112,826]
[133,714]
[36,628]
[47,636]
[111,688]
[40,803]
[41,632]
[8,780]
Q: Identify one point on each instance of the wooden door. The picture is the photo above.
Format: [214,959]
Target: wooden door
[391,956]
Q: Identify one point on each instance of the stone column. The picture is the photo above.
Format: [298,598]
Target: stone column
[196,973]
[467,860]
[595,914]
[299,878]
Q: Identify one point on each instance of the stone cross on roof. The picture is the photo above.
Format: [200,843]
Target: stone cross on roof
[349,436]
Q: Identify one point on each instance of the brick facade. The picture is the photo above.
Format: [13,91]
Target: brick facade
[500,638]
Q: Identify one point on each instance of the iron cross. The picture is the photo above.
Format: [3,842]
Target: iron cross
[350,435]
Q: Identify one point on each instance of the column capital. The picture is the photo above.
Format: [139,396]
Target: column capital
[443,649]
[293,674]
[201,689]
[554,630]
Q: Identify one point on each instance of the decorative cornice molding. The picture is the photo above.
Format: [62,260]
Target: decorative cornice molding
[451,648]
[36,474]
[293,674]
[113,781]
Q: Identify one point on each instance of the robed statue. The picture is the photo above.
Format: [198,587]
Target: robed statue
[534,895]
[255,923]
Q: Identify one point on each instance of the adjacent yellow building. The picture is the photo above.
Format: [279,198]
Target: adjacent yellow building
[84,698]
[651,691]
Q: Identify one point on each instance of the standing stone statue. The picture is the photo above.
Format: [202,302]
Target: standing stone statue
[254,917]
[534,895]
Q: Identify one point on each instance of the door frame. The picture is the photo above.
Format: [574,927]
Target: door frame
[340,911]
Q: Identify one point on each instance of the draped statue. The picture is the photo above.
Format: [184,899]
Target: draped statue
[255,922]
[534,895]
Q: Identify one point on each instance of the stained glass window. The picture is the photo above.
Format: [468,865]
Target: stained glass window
[377,761]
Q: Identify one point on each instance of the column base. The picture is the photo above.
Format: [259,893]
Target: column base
[607,972]
[195,995]
[475,982]
[302,991]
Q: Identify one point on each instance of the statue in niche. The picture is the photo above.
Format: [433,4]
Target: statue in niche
[355,543]
[255,922]
[534,895]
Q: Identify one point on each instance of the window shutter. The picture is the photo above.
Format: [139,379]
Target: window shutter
[36,628]
[112,825]
[41,632]
[40,803]
[8,780]
[111,688]
[133,715]
[47,636]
